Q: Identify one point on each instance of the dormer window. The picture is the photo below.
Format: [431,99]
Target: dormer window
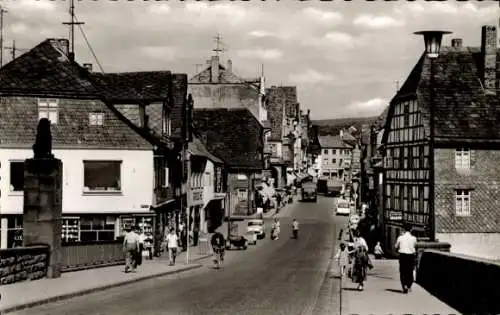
[96,119]
[48,108]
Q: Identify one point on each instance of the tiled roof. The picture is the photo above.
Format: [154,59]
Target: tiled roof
[234,135]
[333,142]
[462,108]
[196,147]
[128,87]
[19,120]
[275,111]
[46,71]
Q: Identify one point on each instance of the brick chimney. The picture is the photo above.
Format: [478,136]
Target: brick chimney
[230,66]
[456,43]
[489,56]
[214,64]
[88,66]
[62,44]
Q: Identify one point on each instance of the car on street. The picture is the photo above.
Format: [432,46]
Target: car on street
[257,226]
[342,208]
[251,237]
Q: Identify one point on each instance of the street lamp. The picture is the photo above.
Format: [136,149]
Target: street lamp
[432,40]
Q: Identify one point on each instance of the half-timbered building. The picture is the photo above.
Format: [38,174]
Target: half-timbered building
[441,147]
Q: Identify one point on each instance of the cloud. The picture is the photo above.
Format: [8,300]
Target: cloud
[265,54]
[160,52]
[328,17]
[260,34]
[339,38]
[377,22]
[31,6]
[311,77]
[162,8]
[370,107]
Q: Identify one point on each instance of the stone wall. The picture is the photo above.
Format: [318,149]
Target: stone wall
[469,285]
[485,245]
[23,263]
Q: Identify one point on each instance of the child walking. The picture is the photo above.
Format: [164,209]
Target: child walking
[342,258]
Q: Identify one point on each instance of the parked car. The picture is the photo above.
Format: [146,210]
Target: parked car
[257,226]
[251,237]
[342,208]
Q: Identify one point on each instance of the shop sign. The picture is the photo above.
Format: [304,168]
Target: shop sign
[196,196]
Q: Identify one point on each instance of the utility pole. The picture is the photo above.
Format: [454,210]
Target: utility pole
[2,12]
[13,49]
[187,136]
[218,41]
[71,25]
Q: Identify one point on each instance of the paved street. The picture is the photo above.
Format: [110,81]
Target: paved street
[286,276]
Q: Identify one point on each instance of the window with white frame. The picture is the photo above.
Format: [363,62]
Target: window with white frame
[96,119]
[325,151]
[102,176]
[48,108]
[462,158]
[462,202]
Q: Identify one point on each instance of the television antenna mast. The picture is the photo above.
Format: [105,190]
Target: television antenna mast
[218,41]
[71,25]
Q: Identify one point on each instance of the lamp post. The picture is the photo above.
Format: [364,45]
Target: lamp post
[432,41]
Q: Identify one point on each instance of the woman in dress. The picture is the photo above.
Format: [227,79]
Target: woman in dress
[361,261]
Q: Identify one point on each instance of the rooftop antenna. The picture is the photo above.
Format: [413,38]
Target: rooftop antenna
[2,12]
[218,41]
[72,29]
[13,49]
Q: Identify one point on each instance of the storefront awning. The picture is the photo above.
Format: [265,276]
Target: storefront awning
[163,204]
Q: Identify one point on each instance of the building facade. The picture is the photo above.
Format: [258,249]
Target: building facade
[440,148]
[236,137]
[335,158]
[102,155]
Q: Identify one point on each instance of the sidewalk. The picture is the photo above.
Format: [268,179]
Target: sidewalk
[383,295]
[32,293]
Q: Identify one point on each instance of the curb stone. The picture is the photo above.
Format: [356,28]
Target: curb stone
[93,290]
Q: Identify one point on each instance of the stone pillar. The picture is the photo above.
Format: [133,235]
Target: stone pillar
[43,208]
[3,233]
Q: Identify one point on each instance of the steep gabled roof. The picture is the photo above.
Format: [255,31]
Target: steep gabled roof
[46,71]
[129,87]
[275,99]
[234,135]
[463,109]
[196,147]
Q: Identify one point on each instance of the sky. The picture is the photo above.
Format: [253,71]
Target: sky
[344,57]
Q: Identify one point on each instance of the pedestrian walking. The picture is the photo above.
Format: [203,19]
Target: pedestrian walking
[342,258]
[295,229]
[406,247]
[130,247]
[361,261]
[172,241]
[378,251]
[141,244]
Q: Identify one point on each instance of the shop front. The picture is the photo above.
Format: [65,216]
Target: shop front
[196,218]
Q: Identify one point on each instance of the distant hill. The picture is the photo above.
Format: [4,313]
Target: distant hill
[333,126]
